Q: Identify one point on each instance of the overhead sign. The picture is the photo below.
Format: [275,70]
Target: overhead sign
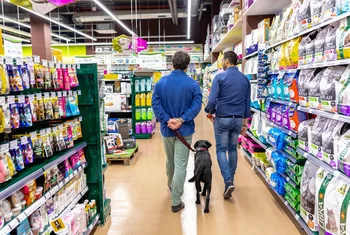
[139,44]
[122,44]
[13,49]
[41,7]
[155,61]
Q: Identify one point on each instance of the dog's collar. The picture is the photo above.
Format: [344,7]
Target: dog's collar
[201,148]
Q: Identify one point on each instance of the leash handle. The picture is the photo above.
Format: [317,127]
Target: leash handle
[182,139]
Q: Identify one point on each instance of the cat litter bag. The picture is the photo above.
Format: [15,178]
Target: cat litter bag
[320,126]
[314,91]
[308,195]
[330,152]
[305,76]
[278,161]
[332,81]
[295,117]
[277,183]
[255,124]
[304,134]
[276,138]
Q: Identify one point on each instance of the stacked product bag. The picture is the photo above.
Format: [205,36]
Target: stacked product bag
[283,86]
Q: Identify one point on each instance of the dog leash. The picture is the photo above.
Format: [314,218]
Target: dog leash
[182,139]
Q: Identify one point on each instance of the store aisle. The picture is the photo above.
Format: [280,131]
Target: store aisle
[141,200]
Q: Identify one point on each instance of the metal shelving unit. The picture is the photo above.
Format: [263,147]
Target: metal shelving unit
[334,116]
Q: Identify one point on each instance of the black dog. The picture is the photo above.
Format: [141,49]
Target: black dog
[202,171]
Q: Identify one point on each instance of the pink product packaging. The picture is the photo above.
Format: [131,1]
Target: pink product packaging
[143,128]
[138,128]
[70,221]
[285,117]
[149,128]
[279,115]
[66,80]
[60,79]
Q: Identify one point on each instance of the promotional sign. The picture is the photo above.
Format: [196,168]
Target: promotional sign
[41,7]
[151,60]
[139,44]
[13,49]
[122,44]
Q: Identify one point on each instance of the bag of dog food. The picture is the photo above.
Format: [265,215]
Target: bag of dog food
[343,39]
[280,85]
[282,57]
[314,91]
[329,9]
[320,125]
[305,76]
[330,139]
[277,183]
[295,118]
[278,161]
[308,195]
[330,52]
[304,134]
[344,152]
[304,15]
[329,81]
[319,44]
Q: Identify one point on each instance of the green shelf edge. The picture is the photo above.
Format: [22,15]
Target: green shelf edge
[30,173]
[127,155]
[143,136]
[104,168]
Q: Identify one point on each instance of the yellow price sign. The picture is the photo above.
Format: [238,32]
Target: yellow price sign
[58,225]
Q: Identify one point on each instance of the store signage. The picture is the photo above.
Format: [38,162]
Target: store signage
[12,49]
[152,61]
[61,2]
[140,44]
[58,225]
[41,7]
[122,44]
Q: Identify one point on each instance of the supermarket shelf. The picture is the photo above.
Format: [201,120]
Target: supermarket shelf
[330,21]
[92,225]
[251,55]
[37,204]
[113,80]
[285,130]
[232,37]
[257,140]
[207,59]
[23,177]
[283,102]
[266,7]
[324,165]
[284,201]
[325,64]
[334,116]
[289,180]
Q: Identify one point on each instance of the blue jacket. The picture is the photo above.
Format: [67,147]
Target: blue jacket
[230,94]
[177,96]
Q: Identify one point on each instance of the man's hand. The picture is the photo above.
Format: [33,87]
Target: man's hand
[244,130]
[174,123]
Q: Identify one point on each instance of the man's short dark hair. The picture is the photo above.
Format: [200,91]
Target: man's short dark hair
[181,60]
[231,57]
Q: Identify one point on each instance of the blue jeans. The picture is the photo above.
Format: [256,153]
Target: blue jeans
[227,131]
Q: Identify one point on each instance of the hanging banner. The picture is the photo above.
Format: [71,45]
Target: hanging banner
[151,60]
[139,44]
[122,44]
[13,49]
[39,6]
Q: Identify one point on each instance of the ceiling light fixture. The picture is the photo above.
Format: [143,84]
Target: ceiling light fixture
[103,7]
[189,2]
[58,23]
[15,38]
[170,42]
[28,26]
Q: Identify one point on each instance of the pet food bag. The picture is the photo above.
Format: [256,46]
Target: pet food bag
[343,39]
[280,85]
[329,87]
[292,86]
[304,78]
[320,125]
[344,150]
[276,138]
[304,134]
[283,57]
[314,91]
[304,15]
[319,45]
[343,6]
[277,183]
[329,9]
[323,178]
[343,101]
[278,161]
[302,50]
[279,115]
[345,214]
[295,118]
[308,195]
[316,11]
[293,56]
[310,52]
[330,51]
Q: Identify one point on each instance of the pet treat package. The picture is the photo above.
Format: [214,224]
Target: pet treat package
[330,141]
[308,195]
[323,178]
[314,91]
[343,39]
[330,85]
[304,134]
[319,44]
[320,125]
[304,78]
[330,51]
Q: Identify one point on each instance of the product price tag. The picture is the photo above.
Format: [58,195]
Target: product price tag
[46,94]
[75,173]
[57,225]
[21,217]
[31,97]
[54,190]
[64,66]
[29,60]
[1,60]
[285,203]
[10,99]
[21,98]
[24,140]
[80,118]
[297,217]
[53,94]
[44,62]
[5,147]
[2,100]
[310,110]
[288,179]
[38,96]
[79,92]
[51,64]
[14,223]
[19,61]
[60,185]
[36,59]
[70,176]
[336,116]
[59,94]
[64,93]
[31,209]
[78,66]
[69,93]
[48,195]
[305,154]
[13,144]
[80,168]
[8,60]
[336,174]
[58,65]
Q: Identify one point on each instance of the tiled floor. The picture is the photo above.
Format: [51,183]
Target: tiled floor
[141,199]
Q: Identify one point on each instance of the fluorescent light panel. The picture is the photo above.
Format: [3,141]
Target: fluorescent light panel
[189,2]
[170,42]
[14,37]
[28,26]
[103,7]
[59,23]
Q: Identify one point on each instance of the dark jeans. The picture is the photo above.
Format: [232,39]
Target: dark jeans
[227,131]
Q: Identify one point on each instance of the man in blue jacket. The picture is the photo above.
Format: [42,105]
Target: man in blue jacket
[229,100]
[176,101]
